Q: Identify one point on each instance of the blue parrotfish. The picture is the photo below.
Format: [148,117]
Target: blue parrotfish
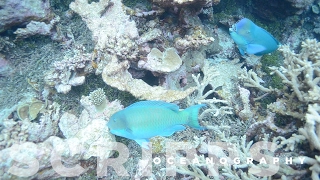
[252,39]
[146,119]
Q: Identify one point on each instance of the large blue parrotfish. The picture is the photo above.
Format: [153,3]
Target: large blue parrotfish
[252,39]
[146,119]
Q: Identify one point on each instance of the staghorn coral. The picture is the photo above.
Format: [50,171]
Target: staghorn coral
[200,96]
[116,75]
[246,112]
[311,130]
[251,79]
[299,99]
[301,71]
[311,133]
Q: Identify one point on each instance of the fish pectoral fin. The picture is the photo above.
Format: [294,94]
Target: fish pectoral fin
[128,130]
[122,132]
[255,48]
[143,143]
[241,51]
[172,129]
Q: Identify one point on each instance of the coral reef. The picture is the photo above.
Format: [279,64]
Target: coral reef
[300,72]
[18,131]
[119,38]
[309,132]
[300,99]
[305,64]
[172,50]
[4,66]
[301,4]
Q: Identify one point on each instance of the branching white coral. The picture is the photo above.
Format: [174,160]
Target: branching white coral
[311,129]
[251,79]
[311,132]
[302,71]
[201,97]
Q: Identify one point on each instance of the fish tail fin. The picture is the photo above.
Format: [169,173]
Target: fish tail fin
[192,113]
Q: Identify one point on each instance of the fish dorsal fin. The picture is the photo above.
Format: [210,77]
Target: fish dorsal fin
[270,35]
[171,106]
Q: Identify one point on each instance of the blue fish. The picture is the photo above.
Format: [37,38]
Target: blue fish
[146,119]
[252,39]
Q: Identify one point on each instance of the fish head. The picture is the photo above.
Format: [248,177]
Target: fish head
[252,39]
[238,39]
[117,122]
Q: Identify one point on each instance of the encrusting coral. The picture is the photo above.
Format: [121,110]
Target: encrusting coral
[114,36]
[70,71]
[161,62]
[98,99]
[193,41]
[35,27]
[116,74]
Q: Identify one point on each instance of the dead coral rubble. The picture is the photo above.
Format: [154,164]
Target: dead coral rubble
[84,136]
[116,75]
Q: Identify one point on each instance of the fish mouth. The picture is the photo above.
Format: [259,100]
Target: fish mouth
[233,28]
